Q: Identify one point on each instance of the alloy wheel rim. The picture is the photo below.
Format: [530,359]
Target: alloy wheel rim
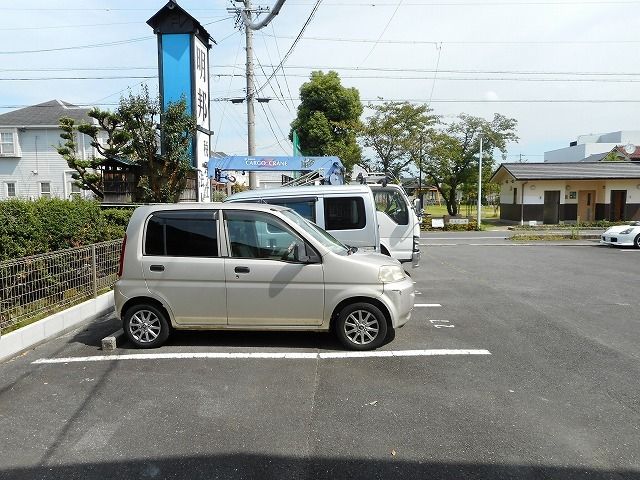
[145,326]
[361,327]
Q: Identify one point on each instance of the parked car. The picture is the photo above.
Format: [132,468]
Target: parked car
[348,212]
[248,266]
[622,235]
[371,217]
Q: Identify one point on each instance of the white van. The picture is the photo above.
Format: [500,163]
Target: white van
[246,266]
[399,224]
[333,208]
[347,212]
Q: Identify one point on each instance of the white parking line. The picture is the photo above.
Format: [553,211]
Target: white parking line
[464,238]
[427,305]
[264,355]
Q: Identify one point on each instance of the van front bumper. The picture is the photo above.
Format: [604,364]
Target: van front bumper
[399,298]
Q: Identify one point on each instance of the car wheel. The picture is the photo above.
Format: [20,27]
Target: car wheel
[146,326]
[361,326]
[636,242]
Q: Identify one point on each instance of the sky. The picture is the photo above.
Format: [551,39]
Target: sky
[560,68]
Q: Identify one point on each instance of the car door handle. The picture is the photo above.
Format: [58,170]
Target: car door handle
[157,268]
[242,270]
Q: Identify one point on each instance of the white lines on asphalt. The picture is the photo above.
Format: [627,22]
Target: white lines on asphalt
[427,305]
[464,238]
[264,355]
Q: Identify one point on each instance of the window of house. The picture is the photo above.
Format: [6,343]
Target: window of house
[7,144]
[45,189]
[515,195]
[182,234]
[74,189]
[11,189]
[344,213]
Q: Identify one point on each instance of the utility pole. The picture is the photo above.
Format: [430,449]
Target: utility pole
[480,185]
[251,114]
[245,17]
[420,206]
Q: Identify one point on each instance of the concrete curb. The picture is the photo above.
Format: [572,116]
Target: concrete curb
[113,341]
[54,325]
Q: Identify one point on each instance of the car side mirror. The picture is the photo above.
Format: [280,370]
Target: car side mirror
[305,254]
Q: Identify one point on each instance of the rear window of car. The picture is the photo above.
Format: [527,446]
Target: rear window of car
[182,234]
[344,213]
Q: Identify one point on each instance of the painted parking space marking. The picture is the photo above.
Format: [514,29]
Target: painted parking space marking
[441,324]
[427,305]
[265,355]
[495,237]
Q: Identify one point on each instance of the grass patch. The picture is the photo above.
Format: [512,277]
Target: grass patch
[544,237]
[488,211]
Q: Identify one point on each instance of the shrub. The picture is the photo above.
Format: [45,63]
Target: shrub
[47,224]
[21,231]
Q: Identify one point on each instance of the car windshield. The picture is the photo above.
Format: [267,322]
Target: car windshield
[325,238]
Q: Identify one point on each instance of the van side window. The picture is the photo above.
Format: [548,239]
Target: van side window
[393,204]
[344,213]
[258,235]
[306,208]
[182,234]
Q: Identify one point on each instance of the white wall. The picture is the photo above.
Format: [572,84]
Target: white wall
[592,144]
[39,162]
[578,152]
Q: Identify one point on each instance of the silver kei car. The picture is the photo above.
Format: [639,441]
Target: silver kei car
[622,235]
[241,266]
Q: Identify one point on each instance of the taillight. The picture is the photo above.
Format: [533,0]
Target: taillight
[416,243]
[121,262]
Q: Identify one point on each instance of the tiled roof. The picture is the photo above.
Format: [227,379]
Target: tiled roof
[47,113]
[570,170]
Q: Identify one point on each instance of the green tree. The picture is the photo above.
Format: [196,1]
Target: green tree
[328,118]
[397,132]
[453,153]
[133,132]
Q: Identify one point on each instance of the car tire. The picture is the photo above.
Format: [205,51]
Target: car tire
[146,326]
[636,241]
[361,326]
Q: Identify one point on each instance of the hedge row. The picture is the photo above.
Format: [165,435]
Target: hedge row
[44,225]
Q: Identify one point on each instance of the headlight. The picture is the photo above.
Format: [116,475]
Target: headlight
[391,273]
[627,231]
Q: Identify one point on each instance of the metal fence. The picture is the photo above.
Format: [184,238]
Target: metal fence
[34,287]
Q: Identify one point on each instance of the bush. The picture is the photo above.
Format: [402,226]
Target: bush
[47,224]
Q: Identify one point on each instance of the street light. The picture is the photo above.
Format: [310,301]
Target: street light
[480,186]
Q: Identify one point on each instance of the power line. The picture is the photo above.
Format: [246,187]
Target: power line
[464,42]
[281,97]
[504,3]
[293,45]
[427,70]
[339,68]
[235,61]
[425,100]
[284,75]
[375,44]
[79,47]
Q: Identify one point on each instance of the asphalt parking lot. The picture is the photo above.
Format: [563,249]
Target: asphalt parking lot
[521,361]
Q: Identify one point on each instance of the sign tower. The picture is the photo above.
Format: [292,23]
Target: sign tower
[183,70]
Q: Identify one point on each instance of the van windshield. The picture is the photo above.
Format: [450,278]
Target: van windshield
[325,238]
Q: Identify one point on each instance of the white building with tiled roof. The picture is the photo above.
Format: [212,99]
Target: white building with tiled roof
[568,192]
[30,166]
